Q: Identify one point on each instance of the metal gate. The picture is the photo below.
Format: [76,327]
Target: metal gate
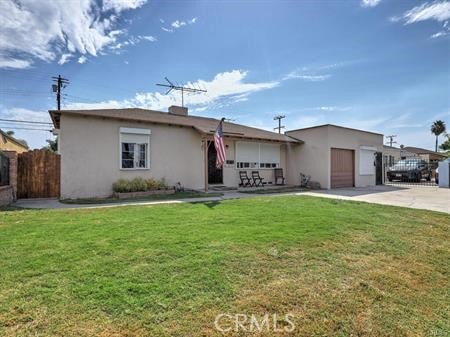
[411,171]
[38,174]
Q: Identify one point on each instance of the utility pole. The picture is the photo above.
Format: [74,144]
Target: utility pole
[172,86]
[391,140]
[279,118]
[60,83]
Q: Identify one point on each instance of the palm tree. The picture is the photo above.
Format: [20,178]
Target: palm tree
[437,128]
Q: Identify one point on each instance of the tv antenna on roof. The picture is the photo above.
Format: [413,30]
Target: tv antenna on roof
[172,86]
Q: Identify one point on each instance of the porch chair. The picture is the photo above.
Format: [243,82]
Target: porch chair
[257,180]
[245,180]
[278,176]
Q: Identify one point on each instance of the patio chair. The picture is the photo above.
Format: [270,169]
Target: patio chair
[257,180]
[279,176]
[245,180]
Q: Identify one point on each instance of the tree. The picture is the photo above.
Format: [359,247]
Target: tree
[437,128]
[52,145]
[446,144]
[10,133]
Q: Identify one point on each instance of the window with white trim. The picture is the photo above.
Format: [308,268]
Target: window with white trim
[134,148]
[257,155]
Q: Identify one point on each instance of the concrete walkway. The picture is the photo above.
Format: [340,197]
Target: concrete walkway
[421,197]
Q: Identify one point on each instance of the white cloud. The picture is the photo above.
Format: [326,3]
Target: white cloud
[177,24]
[444,32]
[148,38]
[439,34]
[369,3]
[332,108]
[438,11]
[12,63]
[121,5]
[64,58]
[132,41]
[224,89]
[306,77]
[46,30]
[82,59]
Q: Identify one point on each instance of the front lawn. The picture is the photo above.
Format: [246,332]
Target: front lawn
[340,268]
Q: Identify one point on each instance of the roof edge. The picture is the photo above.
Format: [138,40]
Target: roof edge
[336,126]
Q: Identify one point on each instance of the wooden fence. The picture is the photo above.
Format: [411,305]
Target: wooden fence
[38,174]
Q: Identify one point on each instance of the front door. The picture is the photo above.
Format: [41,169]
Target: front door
[378,168]
[215,175]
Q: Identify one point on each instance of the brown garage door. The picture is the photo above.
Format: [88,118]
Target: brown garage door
[342,168]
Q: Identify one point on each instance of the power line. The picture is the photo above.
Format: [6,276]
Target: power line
[17,128]
[23,121]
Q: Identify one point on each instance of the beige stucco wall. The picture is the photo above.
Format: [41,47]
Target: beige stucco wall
[313,158]
[90,156]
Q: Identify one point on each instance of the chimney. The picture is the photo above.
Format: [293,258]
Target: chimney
[178,110]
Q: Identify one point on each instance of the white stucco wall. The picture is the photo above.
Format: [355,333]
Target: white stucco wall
[313,158]
[90,156]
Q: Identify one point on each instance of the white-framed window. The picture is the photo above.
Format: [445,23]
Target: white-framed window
[367,160]
[257,155]
[134,148]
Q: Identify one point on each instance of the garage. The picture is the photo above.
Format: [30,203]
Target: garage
[342,168]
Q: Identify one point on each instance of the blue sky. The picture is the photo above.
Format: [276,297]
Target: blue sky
[377,65]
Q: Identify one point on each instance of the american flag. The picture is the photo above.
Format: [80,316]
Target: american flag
[219,145]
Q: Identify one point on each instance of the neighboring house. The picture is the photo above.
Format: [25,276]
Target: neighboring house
[9,143]
[392,154]
[98,147]
[336,156]
[427,155]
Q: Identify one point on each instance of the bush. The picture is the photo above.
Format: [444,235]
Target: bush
[138,185]
[152,184]
[121,186]
[162,184]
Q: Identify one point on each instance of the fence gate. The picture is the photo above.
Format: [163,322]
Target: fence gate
[410,171]
[4,170]
[38,174]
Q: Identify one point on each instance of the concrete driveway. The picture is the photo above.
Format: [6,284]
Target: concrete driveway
[414,196]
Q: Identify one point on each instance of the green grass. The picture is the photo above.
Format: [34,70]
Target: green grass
[341,268]
[156,197]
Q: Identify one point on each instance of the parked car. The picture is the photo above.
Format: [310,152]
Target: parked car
[436,177]
[409,170]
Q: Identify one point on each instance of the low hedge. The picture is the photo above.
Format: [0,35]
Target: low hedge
[138,185]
